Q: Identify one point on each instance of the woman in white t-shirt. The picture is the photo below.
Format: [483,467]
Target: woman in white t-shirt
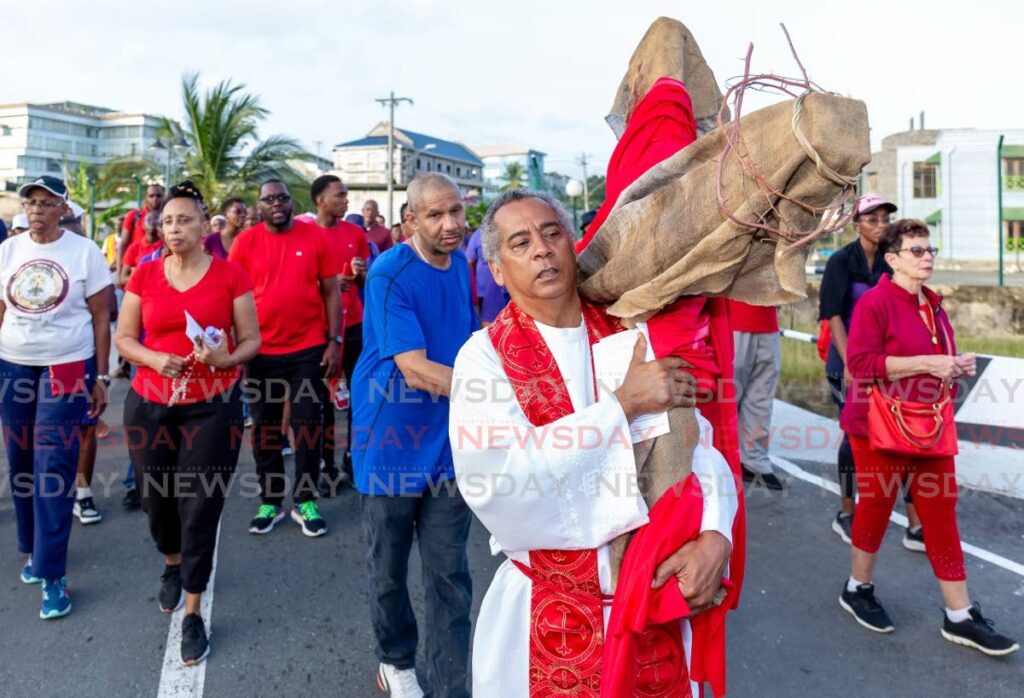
[54,348]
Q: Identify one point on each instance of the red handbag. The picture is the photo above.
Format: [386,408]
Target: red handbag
[917,429]
[907,428]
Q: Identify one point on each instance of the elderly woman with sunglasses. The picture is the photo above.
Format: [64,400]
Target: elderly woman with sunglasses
[54,345]
[901,348]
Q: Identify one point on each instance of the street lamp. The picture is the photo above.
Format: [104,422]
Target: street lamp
[178,143]
[573,188]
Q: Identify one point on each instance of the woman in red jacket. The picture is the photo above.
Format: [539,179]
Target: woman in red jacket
[901,339]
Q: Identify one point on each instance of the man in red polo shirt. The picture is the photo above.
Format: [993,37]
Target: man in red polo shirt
[295,283]
[377,233]
[351,249]
[755,331]
[134,227]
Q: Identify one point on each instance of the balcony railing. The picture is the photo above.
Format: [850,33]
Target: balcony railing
[1013,182]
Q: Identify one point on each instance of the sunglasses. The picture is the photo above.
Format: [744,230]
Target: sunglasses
[919,251]
[279,198]
[873,220]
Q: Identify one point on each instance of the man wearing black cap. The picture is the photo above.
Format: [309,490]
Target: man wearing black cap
[850,272]
[586,219]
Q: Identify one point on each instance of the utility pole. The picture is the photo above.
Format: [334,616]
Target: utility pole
[391,101]
[586,187]
[319,145]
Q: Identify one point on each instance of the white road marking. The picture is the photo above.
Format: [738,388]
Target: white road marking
[899,519]
[176,679]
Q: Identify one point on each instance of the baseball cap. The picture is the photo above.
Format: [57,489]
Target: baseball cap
[51,184]
[871,202]
[76,210]
[20,221]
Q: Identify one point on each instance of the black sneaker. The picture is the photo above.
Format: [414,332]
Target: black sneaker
[267,516]
[978,632]
[863,606]
[843,526]
[767,480]
[195,646]
[85,510]
[171,594]
[913,539]
[131,499]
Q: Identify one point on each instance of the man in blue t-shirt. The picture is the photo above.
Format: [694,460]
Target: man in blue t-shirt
[418,314]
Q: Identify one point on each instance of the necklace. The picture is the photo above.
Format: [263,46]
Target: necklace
[421,255]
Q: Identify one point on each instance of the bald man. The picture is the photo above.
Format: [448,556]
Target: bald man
[419,312]
[378,234]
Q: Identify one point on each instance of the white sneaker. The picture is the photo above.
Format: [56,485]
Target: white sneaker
[86,511]
[398,683]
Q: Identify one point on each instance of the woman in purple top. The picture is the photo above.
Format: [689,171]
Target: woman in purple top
[218,244]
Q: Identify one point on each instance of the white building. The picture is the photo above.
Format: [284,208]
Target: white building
[363,165]
[950,179]
[497,158]
[41,139]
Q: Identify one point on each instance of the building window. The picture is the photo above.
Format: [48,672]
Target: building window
[418,165]
[5,130]
[458,171]
[925,180]
[1013,171]
[448,169]
[1014,236]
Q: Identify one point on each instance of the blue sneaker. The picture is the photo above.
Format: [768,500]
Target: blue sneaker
[56,602]
[26,574]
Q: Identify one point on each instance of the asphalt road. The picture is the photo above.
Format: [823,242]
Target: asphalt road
[290,615]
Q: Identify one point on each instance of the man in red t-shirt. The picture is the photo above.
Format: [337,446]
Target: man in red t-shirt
[377,233]
[134,228]
[148,243]
[755,331]
[295,282]
[351,250]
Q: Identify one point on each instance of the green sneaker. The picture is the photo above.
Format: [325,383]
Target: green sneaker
[266,518]
[307,515]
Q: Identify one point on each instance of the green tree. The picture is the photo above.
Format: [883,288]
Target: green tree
[113,187]
[226,155]
[475,215]
[514,176]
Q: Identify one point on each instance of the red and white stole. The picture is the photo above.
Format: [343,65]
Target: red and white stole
[566,603]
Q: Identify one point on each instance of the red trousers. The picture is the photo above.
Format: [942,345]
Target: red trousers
[931,482]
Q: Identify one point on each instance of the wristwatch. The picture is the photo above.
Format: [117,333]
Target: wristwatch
[338,339]
[104,378]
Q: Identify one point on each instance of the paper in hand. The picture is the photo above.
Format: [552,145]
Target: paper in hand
[211,336]
[612,356]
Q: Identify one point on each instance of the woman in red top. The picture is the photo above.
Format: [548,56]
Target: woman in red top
[901,339]
[183,415]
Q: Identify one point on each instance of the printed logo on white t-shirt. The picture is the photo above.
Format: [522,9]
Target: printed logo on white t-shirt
[38,286]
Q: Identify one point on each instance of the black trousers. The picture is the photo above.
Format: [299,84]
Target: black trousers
[185,457]
[350,354]
[298,379]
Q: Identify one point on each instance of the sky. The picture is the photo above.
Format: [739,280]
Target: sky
[541,74]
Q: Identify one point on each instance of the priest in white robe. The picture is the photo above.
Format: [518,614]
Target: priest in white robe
[544,460]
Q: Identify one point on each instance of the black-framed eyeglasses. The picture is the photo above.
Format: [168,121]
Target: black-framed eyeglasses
[279,198]
[918,251]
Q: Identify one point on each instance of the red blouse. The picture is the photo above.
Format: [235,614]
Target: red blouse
[887,322]
[210,301]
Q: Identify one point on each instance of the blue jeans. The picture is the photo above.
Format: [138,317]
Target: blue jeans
[441,522]
[42,435]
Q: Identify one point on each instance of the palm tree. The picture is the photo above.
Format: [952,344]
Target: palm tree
[514,176]
[226,156]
